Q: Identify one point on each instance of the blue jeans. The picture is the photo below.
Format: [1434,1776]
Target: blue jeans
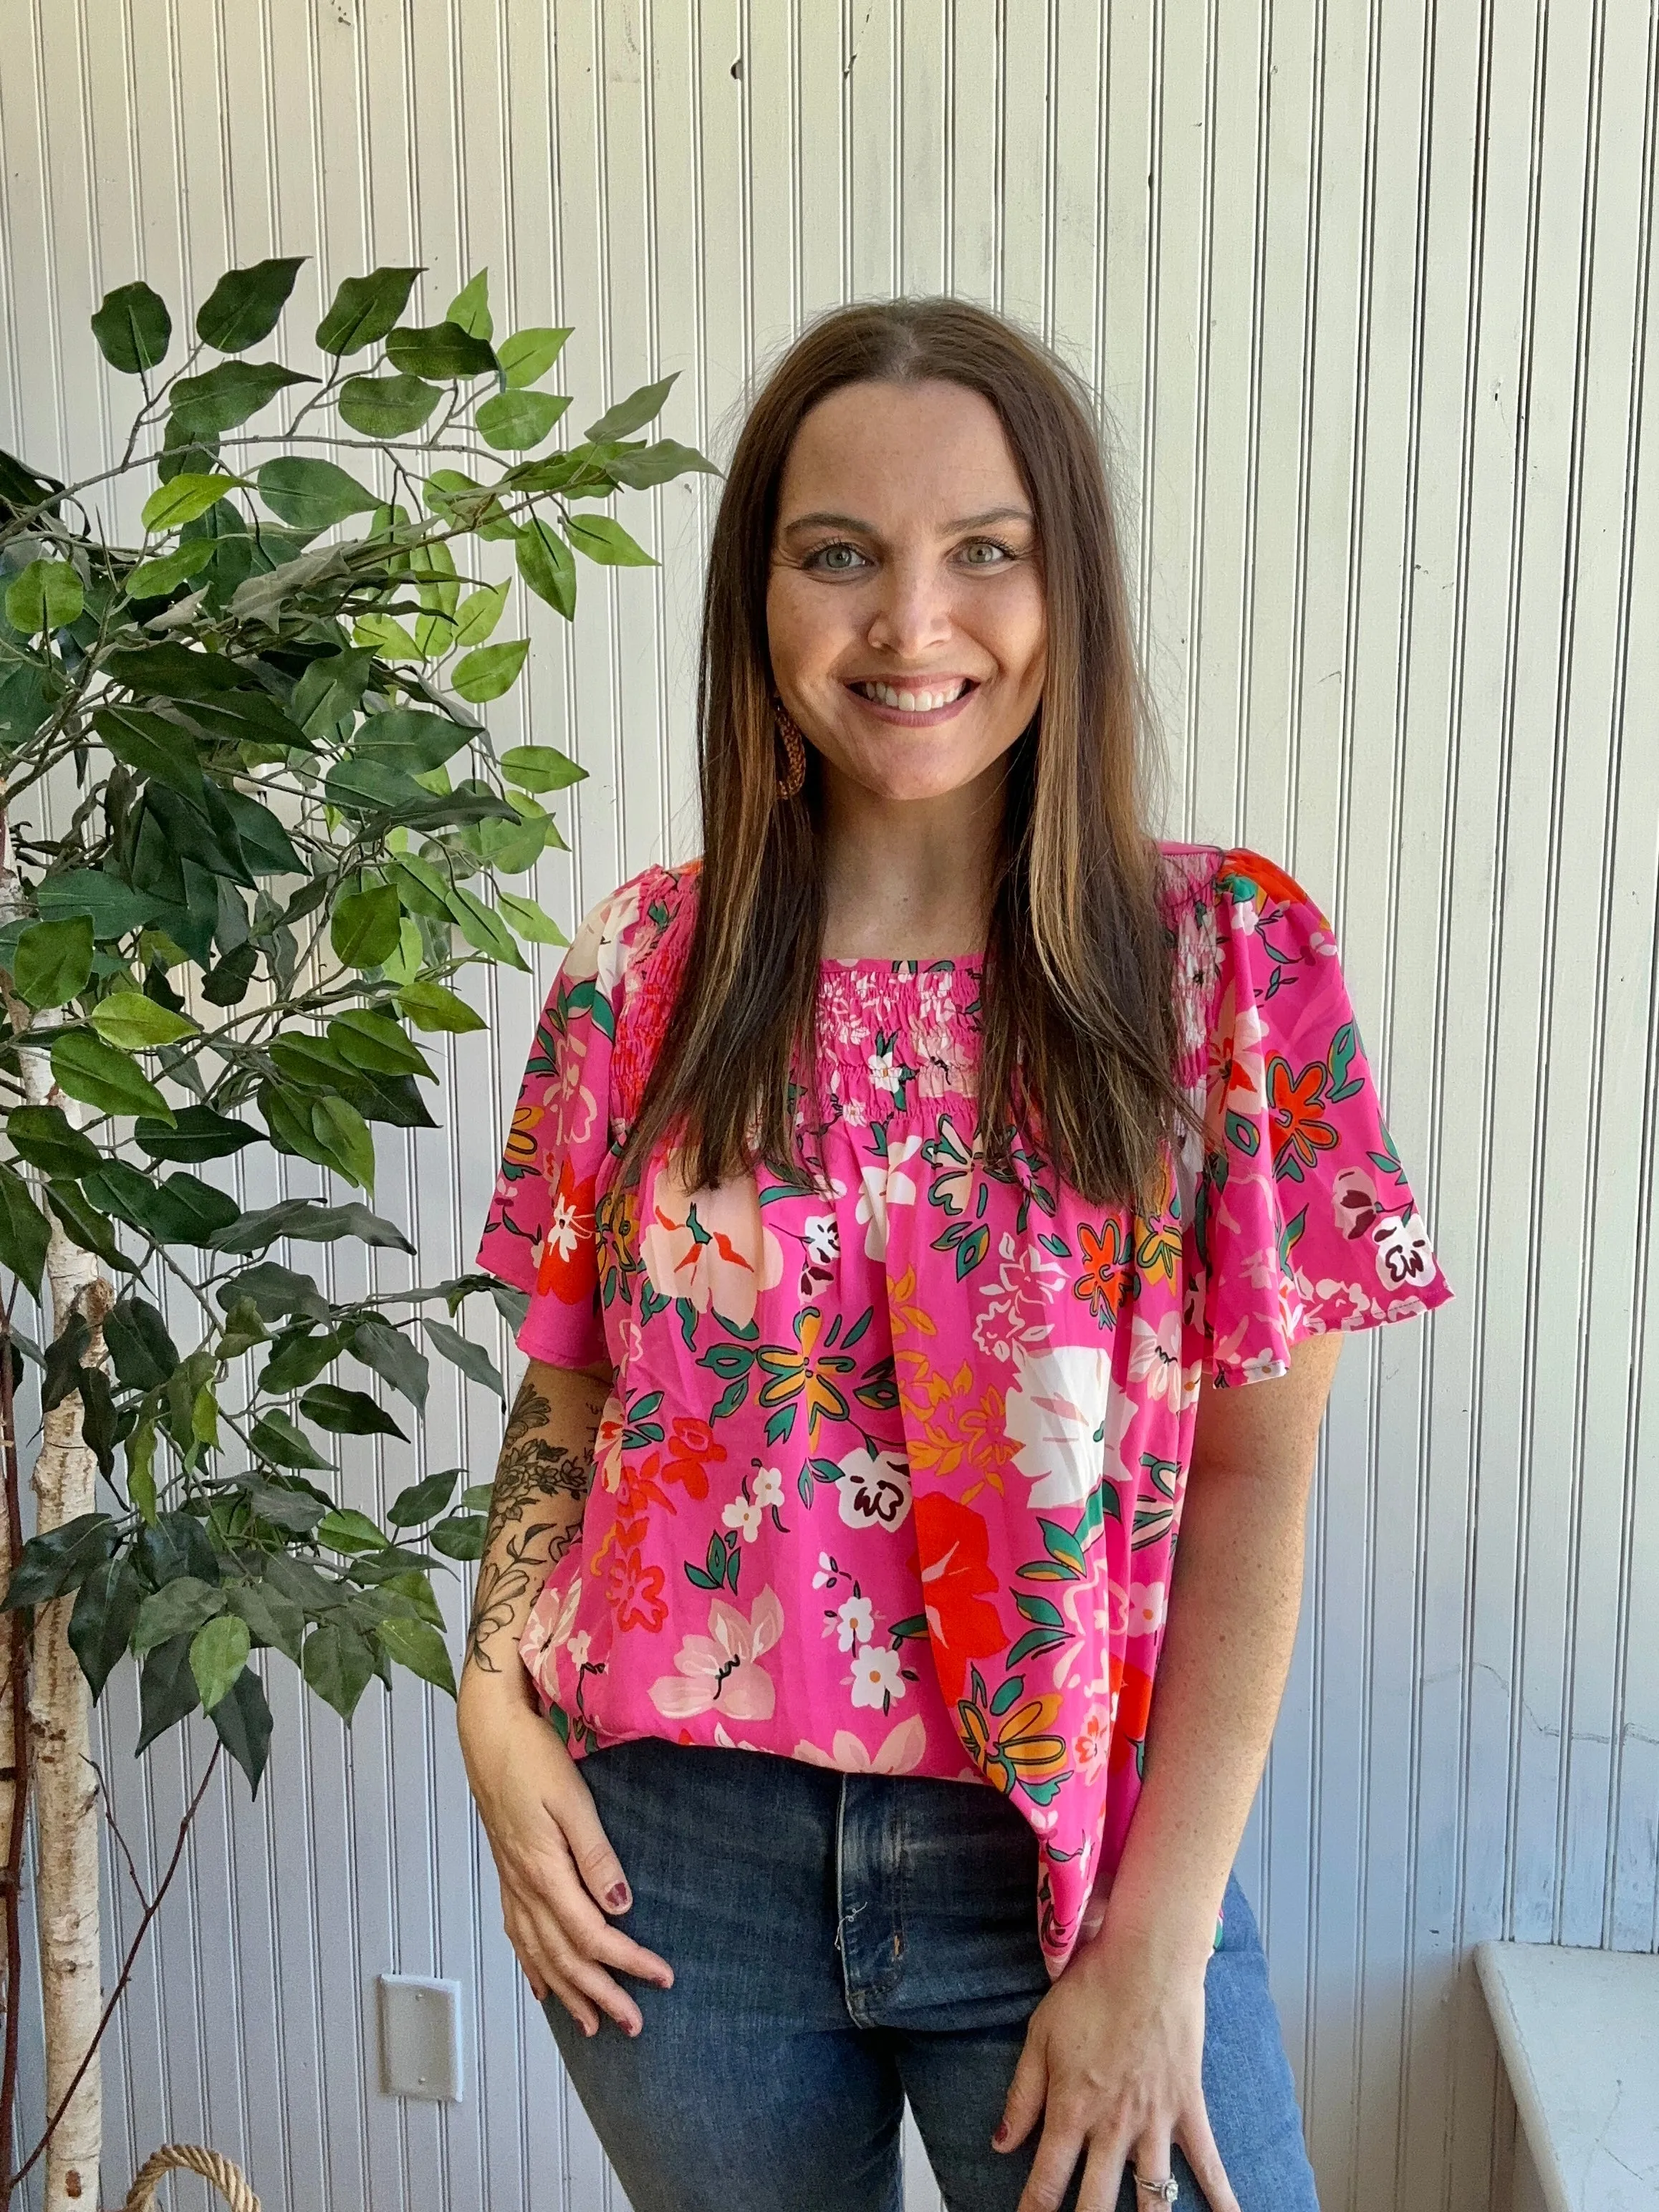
[841,1942]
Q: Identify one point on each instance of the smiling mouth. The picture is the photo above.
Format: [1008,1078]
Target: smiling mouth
[914,699]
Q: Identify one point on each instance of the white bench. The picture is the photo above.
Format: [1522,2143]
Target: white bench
[1579,2035]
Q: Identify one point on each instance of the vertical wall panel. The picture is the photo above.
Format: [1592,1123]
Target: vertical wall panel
[1366,293]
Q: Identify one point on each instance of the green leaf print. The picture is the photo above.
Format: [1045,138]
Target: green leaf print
[1345,1046]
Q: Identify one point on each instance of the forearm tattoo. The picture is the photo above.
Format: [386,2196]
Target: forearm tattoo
[539,1491]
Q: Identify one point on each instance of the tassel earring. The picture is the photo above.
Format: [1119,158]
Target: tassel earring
[795,750]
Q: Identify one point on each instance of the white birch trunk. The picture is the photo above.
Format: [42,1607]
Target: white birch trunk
[66,1800]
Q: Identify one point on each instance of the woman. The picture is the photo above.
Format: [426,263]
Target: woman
[904,1190]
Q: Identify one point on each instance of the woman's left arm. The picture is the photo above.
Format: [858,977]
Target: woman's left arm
[1112,2054]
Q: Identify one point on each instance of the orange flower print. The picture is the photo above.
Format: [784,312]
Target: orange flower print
[566,1268]
[1105,1277]
[635,1591]
[520,1150]
[1300,1131]
[1093,1746]
[957,1583]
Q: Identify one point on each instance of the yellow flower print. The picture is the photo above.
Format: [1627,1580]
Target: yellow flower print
[803,1376]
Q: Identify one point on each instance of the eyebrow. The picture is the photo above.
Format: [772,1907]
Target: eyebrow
[821,519]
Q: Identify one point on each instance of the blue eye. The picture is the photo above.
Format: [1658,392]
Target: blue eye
[840,559]
[977,546]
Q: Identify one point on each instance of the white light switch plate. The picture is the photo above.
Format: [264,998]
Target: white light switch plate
[419,2037]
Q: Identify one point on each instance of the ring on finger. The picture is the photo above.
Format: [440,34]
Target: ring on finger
[1165,2190]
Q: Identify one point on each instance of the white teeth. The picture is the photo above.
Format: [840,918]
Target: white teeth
[912,702]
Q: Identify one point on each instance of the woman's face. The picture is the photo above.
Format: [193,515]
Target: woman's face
[905,611]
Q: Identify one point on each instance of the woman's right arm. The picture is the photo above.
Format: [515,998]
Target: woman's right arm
[556,1867]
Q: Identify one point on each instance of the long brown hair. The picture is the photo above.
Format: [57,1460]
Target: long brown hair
[1077,1021]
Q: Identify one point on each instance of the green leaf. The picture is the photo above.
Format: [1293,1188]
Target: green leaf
[345,1529]
[386,406]
[528,355]
[342,1137]
[418,1646]
[113,909]
[630,414]
[47,1140]
[183,1210]
[546,564]
[478,613]
[338,1665]
[485,930]
[348,1412]
[133,328]
[275,1437]
[526,919]
[272,1619]
[87,1068]
[466,504]
[540,768]
[603,540]
[391,1355]
[385,635]
[166,1691]
[406,738]
[242,1718]
[244,305]
[473,1359]
[197,1133]
[513,421]
[460,1537]
[60,1560]
[103,1619]
[490,670]
[25,1232]
[310,494]
[203,407]
[470,308]
[155,746]
[299,1357]
[423,1501]
[85,1226]
[364,309]
[444,351]
[143,1352]
[218,1653]
[135,1023]
[431,1006]
[47,595]
[53,962]
[266,846]
[171,505]
[363,928]
[154,580]
[179,1607]
[642,466]
[374,1043]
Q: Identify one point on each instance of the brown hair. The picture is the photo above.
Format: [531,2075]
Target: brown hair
[1076,1040]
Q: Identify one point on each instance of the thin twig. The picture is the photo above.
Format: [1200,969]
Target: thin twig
[116,1994]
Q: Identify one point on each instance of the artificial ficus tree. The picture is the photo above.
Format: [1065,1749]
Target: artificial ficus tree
[280,830]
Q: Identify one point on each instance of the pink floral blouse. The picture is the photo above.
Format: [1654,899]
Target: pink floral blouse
[891,1477]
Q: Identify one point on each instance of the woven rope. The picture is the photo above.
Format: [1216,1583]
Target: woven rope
[229,2180]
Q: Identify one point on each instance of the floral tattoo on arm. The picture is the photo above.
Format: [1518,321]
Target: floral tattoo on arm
[539,1491]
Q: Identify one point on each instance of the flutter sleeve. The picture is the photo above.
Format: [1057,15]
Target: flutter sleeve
[540,1232]
[1305,1221]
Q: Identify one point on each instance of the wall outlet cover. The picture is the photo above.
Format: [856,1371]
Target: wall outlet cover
[419,2037]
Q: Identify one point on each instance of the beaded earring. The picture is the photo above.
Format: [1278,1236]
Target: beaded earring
[795,750]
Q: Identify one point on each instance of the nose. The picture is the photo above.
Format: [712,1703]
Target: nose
[912,615]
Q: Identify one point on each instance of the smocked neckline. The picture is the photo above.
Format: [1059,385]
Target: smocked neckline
[939,962]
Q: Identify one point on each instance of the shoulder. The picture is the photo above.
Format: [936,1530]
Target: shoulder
[1236,875]
[623,931]
[1230,910]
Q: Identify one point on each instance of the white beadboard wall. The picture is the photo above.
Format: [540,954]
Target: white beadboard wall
[1366,290]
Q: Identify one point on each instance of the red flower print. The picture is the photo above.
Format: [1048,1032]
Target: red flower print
[1300,1132]
[1105,1276]
[634,1591]
[566,1268]
[957,1583]
[1134,1706]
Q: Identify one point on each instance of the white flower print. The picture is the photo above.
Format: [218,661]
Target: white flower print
[900,1751]
[874,1489]
[882,1073]
[1064,1412]
[1015,1316]
[876,1677]
[746,1514]
[827,1572]
[1403,1252]
[886,1183]
[577,1649]
[856,1622]
[1263,1366]
[1155,1360]
[820,1237]
[1146,1609]
[767,1488]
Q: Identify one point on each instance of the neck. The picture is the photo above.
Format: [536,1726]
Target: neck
[908,879]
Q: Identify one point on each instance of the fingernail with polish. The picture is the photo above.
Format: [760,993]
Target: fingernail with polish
[617,1898]
[1000,2136]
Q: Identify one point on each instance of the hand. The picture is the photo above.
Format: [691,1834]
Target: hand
[1113,2063]
[556,1867]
